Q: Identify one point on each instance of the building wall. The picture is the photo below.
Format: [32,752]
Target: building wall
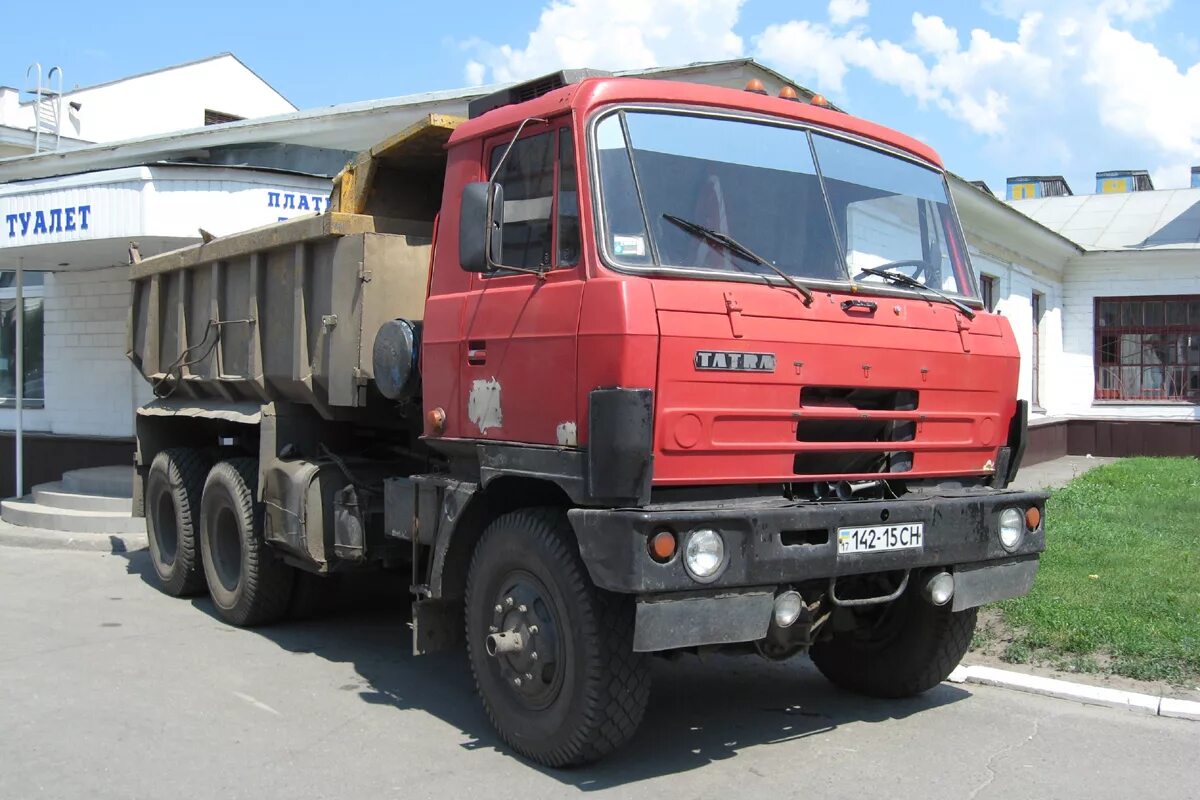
[89,382]
[169,100]
[1116,275]
[1017,279]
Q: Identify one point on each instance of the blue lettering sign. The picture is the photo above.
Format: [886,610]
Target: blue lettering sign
[272,199]
[45,221]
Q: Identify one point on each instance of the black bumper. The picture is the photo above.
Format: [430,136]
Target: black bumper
[959,529]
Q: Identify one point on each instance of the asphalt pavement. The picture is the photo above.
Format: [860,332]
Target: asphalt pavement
[110,689]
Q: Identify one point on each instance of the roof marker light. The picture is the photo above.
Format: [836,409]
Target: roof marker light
[788,93]
[756,86]
[820,100]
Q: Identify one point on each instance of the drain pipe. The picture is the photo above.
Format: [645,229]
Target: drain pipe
[19,444]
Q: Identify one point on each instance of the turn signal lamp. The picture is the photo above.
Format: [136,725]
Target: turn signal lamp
[662,546]
[788,93]
[1033,518]
[756,86]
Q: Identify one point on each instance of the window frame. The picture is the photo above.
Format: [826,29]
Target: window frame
[1100,365]
[29,292]
[987,291]
[556,129]
[600,235]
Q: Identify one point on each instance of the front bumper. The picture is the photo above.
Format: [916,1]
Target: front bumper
[959,530]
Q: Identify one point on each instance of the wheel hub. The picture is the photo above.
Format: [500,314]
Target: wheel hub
[530,670]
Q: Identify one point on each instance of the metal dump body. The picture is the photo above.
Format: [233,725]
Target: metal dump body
[283,312]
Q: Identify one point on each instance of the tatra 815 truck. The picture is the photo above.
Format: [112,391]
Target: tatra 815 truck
[613,368]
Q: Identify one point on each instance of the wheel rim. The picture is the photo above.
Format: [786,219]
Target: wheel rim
[535,674]
[227,548]
[166,531]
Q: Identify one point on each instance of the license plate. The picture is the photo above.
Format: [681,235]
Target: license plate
[880,538]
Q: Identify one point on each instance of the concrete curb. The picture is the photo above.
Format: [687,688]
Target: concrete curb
[17,536]
[1081,693]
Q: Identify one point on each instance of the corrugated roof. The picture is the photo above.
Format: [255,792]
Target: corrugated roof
[1167,219]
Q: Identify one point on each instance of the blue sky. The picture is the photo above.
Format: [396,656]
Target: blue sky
[998,87]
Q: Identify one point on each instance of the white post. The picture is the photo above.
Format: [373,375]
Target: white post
[20,441]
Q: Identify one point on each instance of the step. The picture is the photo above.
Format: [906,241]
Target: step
[114,481]
[29,514]
[52,495]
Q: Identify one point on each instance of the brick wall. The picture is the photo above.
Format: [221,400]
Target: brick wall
[90,385]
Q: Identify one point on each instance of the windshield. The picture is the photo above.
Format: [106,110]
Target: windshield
[818,210]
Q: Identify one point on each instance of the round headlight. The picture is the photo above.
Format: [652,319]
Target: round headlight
[787,608]
[704,554]
[1012,528]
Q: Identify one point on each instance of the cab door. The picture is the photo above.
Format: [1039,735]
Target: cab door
[520,330]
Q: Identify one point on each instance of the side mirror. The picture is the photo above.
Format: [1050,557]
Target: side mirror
[480,226]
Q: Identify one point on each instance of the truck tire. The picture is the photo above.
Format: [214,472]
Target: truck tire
[248,585]
[900,650]
[577,691]
[173,488]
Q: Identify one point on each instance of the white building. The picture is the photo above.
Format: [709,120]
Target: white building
[154,158]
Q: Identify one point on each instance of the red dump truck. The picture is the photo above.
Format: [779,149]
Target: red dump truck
[613,368]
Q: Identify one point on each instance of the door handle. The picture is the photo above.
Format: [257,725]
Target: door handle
[476,352]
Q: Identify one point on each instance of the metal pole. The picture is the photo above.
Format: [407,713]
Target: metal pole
[20,443]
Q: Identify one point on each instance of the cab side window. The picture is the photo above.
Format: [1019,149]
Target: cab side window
[528,181]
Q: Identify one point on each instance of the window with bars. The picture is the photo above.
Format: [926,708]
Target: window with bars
[1148,348]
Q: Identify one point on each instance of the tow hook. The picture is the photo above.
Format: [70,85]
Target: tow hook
[504,643]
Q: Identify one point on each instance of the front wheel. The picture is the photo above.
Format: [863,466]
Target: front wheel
[552,655]
[896,650]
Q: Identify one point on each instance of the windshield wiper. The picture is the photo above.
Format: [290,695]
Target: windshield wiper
[737,248]
[900,279]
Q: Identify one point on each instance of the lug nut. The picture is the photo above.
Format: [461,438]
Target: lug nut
[533,656]
[533,629]
[516,681]
[528,676]
[499,608]
[508,601]
[522,608]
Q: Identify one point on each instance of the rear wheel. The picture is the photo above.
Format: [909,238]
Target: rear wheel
[173,489]
[248,585]
[569,688]
[898,650]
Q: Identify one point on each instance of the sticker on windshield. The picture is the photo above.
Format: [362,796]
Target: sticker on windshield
[629,245]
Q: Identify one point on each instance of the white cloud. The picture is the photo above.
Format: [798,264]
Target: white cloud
[613,34]
[933,35]
[843,11]
[1144,94]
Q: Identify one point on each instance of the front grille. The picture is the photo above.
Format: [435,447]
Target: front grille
[842,419]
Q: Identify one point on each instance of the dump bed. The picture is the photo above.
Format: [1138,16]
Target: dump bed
[284,312]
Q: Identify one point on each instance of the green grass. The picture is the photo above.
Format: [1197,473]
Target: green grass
[1119,585]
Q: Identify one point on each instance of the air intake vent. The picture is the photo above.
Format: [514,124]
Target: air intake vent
[1028,187]
[521,92]
[1123,180]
